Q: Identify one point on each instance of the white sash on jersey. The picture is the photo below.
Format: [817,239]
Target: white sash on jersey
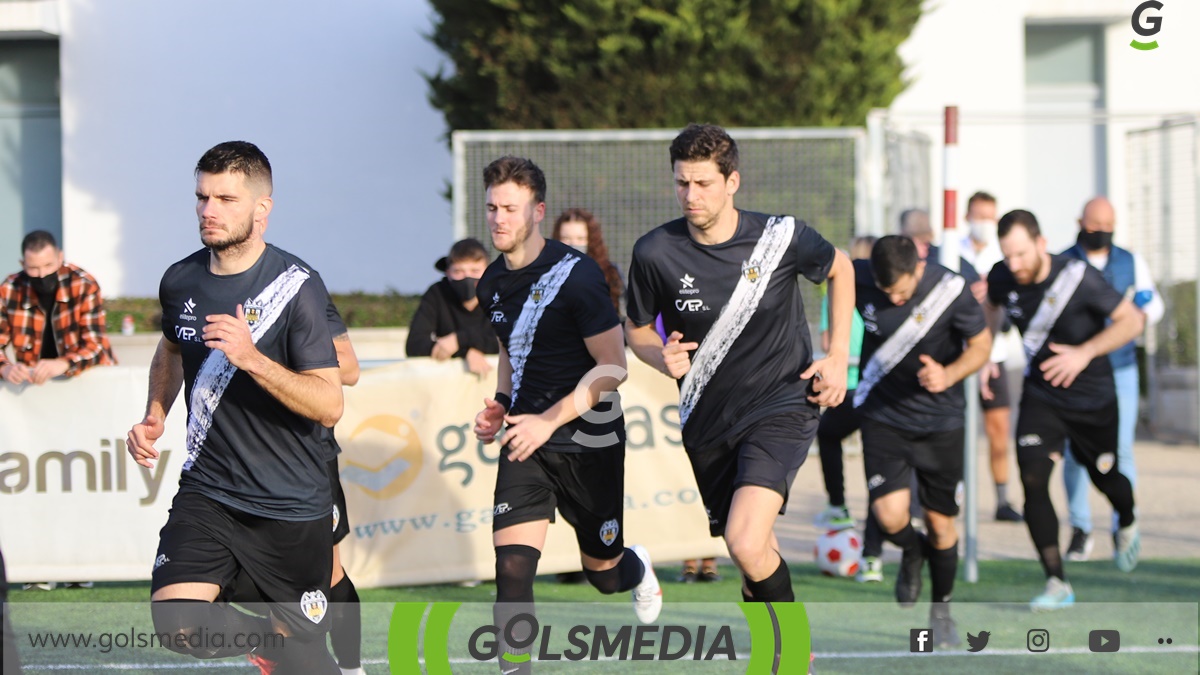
[541,294]
[912,331]
[216,371]
[756,276]
[1051,307]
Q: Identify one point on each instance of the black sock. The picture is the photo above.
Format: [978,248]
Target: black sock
[1001,494]
[775,588]
[516,567]
[907,538]
[305,657]
[872,537]
[346,633]
[943,567]
[1052,562]
[624,577]
[200,622]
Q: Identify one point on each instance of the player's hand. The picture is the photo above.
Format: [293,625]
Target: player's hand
[15,373]
[932,375]
[489,420]
[231,334]
[445,347]
[675,355]
[526,433]
[1067,363]
[979,290]
[830,386]
[477,363]
[47,369]
[140,440]
[990,372]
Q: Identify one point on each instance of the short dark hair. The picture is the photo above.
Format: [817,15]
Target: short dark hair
[523,172]
[38,240]
[892,257]
[1019,217]
[700,142]
[237,157]
[467,249]
[979,196]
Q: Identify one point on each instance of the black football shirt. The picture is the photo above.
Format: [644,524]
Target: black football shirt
[1084,316]
[245,448]
[898,399]
[690,284]
[542,313]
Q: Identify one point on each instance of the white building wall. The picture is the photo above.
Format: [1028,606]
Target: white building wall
[971,53]
[331,92]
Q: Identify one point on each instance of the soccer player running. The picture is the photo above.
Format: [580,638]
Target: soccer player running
[725,282]
[924,332]
[1069,319]
[562,358]
[244,327]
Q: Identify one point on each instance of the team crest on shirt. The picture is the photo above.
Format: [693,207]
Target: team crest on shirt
[1014,310]
[537,292]
[751,271]
[313,605]
[1105,462]
[608,531]
[919,317]
[253,311]
[337,517]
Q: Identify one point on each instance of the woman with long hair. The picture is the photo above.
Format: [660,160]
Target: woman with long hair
[578,228]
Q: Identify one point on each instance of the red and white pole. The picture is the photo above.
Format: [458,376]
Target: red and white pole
[950,241]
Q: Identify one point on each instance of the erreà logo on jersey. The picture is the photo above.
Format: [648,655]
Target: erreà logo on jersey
[253,311]
[1146,27]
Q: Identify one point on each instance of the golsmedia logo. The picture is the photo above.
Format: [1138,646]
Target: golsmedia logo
[1148,26]
[765,638]
[592,643]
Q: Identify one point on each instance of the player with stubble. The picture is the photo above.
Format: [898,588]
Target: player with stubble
[725,282]
[562,358]
[245,328]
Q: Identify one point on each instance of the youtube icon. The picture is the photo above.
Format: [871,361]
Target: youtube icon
[1104,641]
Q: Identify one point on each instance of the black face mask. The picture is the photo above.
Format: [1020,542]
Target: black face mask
[1095,241]
[463,288]
[44,285]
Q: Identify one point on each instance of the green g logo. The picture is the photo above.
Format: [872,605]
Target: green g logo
[1147,28]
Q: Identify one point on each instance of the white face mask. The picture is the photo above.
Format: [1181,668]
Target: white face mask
[982,231]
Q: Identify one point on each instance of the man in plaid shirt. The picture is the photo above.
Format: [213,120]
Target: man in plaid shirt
[52,315]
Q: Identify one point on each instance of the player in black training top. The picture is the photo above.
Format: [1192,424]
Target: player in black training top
[923,333]
[245,329]
[561,360]
[725,282]
[1069,318]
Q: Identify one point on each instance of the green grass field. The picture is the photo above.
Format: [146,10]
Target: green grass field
[855,627]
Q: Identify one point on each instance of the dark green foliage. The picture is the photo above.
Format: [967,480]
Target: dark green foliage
[359,310]
[599,64]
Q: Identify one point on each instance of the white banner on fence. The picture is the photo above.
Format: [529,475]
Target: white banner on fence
[418,485]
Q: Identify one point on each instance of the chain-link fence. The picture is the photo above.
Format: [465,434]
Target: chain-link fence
[1164,210]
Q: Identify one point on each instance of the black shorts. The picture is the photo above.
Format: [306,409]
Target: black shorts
[1042,428]
[341,522]
[999,385]
[891,454]
[208,542]
[768,455]
[588,488]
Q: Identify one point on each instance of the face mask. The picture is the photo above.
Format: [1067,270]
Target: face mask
[582,248]
[464,289]
[46,284]
[982,231]
[1095,241]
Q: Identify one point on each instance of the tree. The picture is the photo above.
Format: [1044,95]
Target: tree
[594,64]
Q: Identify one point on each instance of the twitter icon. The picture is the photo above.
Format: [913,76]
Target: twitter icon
[978,642]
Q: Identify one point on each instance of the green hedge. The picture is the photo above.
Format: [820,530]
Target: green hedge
[359,310]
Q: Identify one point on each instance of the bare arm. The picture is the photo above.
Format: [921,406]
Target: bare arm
[1068,361]
[348,369]
[831,388]
[489,420]
[166,377]
[937,378]
[646,344]
[527,433]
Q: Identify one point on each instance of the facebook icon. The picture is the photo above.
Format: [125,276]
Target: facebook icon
[919,642]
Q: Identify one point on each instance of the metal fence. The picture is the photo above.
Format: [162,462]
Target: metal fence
[1164,210]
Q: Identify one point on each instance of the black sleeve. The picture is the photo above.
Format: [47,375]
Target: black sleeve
[310,346]
[814,255]
[641,300]
[164,320]
[337,327]
[422,330]
[591,304]
[968,315]
[1101,298]
[968,271]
